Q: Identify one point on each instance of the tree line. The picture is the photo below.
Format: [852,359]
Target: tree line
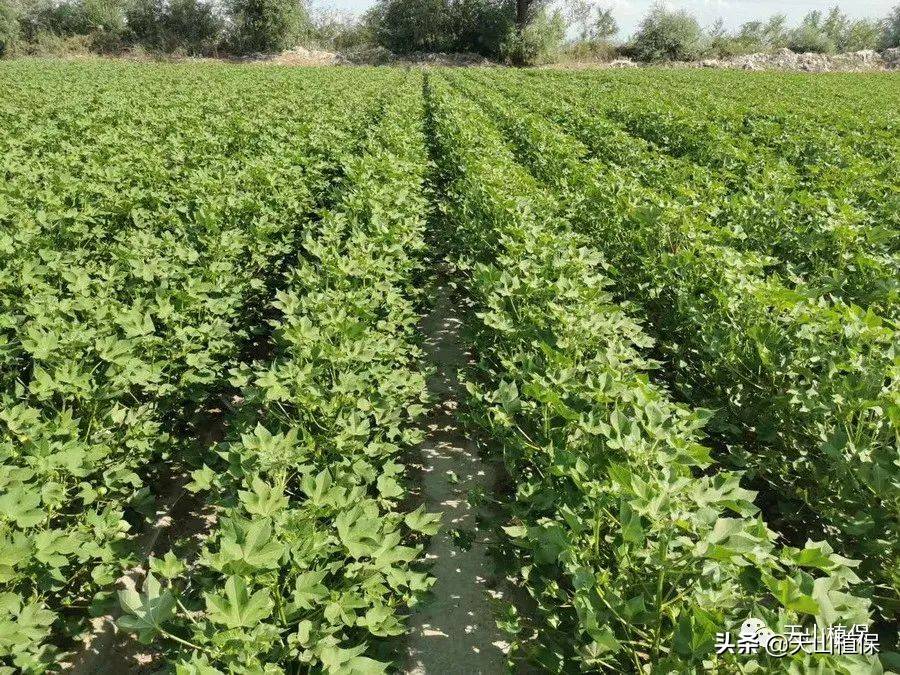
[513,31]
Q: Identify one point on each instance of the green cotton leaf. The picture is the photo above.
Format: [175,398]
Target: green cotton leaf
[22,622]
[605,641]
[695,634]
[342,610]
[202,479]
[508,397]
[813,555]
[52,547]
[316,488]
[236,608]
[516,531]
[264,500]
[198,665]
[630,520]
[389,487]
[426,523]
[620,475]
[789,593]
[15,551]
[308,589]
[304,632]
[22,506]
[381,621]
[363,665]
[339,661]
[169,567]
[256,549]
[550,542]
[147,611]
[834,446]
[635,608]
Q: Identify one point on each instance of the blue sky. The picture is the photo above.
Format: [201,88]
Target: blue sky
[628,13]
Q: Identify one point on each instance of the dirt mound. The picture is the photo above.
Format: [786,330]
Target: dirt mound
[298,56]
[785,59]
[301,56]
[866,60]
[367,56]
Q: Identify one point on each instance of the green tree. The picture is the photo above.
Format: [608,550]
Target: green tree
[666,35]
[591,22]
[105,15]
[538,41]
[604,26]
[775,31]
[9,27]
[190,26]
[848,35]
[479,26]
[405,26]
[811,35]
[267,25]
[861,34]
[890,36]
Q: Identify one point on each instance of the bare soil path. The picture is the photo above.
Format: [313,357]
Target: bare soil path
[456,632]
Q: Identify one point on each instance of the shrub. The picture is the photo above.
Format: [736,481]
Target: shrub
[341,33]
[144,19]
[61,20]
[848,35]
[49,44]
[405,26]
[589,50]
[185,26]
[9,27]
[809,38]
[722,44]
[862,34]
[891,35]
[267,25]
[667,35]
[105,15]
[539,41]
[479,26]
[757,36]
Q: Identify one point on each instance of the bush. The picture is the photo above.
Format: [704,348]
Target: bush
[144,19]
[479,26]
[539,41]
[891,35]
[405,26]
[50,44]
[65,19]
[340,33]
[183,26]
[267,25]
[106,16]
[850,36]
[810,38]
[600,51]
[9,27]
[666,36]
[862,34]
[757,36]
[721,44]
